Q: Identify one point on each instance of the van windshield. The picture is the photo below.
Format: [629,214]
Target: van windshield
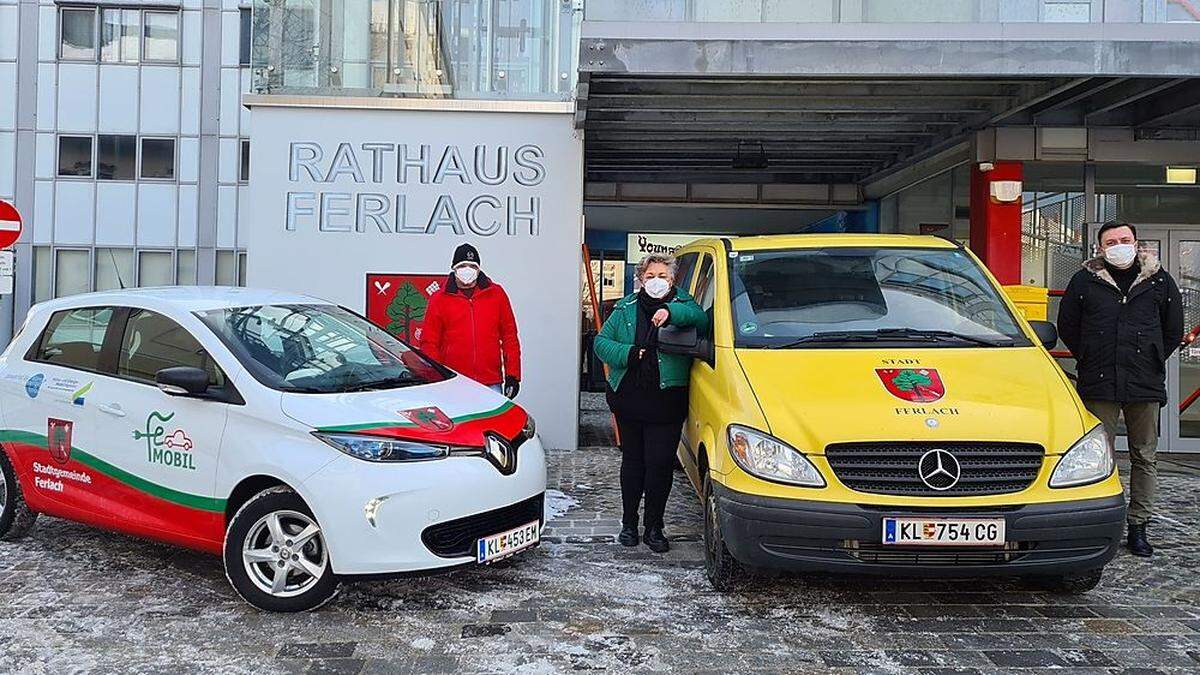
[864,296]
[320,349]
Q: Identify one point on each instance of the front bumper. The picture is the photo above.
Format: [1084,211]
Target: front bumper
[1045,539]
[376,516]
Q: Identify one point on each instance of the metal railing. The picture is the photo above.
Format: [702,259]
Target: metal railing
[482,49]
[896,11]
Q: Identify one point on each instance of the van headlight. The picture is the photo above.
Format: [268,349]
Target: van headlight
[382,448]
[768,457]
[1088,461]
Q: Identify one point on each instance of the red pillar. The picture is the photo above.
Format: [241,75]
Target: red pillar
[996,218]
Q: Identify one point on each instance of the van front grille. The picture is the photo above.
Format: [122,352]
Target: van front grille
[894,468]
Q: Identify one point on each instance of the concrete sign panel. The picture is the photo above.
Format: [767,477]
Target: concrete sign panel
[340,194]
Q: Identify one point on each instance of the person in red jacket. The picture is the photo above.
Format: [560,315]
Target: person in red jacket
[469,326]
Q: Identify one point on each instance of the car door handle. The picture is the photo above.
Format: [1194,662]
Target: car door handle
[112,409]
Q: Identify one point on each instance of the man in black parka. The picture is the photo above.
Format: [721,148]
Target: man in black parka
[1122,317]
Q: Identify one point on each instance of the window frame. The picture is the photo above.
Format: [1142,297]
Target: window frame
[62,11]
[245,36]
[127,317]
[105,358]
[137,265]
[178,34]
[91,175]
[243,161]
[97,29]
[141,145]
[137,160]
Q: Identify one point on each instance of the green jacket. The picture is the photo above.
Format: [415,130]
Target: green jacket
[618,334]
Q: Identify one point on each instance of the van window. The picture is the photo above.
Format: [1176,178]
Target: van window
[153,342]
[686,264]
[864,296]
[73,337]
[704,285]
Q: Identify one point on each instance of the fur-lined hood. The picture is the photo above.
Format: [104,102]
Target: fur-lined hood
[1147,261]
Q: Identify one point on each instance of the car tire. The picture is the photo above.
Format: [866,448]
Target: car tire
[15,517]
[264,539]
[1077,584]
[724,572]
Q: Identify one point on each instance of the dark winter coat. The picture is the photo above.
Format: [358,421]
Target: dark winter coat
[1121,341]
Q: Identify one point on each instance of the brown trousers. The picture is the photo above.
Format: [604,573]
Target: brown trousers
[1141,424]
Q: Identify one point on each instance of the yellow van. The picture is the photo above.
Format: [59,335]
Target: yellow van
[874,404]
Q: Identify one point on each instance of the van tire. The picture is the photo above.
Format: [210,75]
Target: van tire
[285,509]
[1077,584]
[724,572]
[16,519]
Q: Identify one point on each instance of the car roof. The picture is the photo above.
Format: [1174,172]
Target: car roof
[183,298]
[824,240]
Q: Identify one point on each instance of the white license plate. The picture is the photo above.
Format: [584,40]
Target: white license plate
[502,545]
[943,531]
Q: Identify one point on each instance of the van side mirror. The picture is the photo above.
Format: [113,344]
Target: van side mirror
[182,381]
[1046,333]
[686,341]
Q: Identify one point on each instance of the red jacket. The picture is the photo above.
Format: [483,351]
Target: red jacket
[476,335]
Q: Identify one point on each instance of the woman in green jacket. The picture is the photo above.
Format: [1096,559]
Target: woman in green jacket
[648,393]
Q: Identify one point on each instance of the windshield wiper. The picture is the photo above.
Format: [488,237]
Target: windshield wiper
[385,383]
[892,334]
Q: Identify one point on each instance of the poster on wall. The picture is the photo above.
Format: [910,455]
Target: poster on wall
[397,302]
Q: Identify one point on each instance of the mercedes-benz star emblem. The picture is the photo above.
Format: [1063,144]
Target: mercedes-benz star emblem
[939,469]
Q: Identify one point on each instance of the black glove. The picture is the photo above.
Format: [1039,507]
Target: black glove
[511,386]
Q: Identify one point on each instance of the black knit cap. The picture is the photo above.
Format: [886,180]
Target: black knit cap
[465,253]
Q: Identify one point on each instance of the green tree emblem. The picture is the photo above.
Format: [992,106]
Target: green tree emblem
[408,306]
[910,380]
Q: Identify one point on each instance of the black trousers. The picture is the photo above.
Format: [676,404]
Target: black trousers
[647,468]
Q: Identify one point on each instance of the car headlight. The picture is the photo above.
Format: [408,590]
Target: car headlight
[530,428]
[383,449]
[1088,461]
[768,457]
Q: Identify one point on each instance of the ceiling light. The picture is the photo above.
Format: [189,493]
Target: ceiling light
[1181,175]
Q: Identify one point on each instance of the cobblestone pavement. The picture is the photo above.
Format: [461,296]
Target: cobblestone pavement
[74,599]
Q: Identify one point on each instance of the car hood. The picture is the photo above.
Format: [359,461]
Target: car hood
[457,411]
[814,397]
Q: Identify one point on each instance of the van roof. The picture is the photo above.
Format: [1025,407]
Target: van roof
[777,241]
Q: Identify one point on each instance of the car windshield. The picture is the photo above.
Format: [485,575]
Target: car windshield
[862,296]
[318,349]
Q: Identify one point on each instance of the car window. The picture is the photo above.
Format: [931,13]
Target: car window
[704,284]
[74,337]
[686,264]
[318,349]
[152,342]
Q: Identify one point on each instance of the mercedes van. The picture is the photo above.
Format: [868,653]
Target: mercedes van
[876,404]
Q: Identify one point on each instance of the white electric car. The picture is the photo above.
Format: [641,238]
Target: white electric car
[285,433]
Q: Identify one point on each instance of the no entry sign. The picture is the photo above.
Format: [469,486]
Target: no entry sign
[10,224]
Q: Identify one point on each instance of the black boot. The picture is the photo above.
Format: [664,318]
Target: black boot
[628,536]
[1137,543]
[656,540]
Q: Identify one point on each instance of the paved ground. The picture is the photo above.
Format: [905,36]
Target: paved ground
[73,599]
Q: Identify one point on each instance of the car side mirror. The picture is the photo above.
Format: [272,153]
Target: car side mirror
[1046,333]
[182,381]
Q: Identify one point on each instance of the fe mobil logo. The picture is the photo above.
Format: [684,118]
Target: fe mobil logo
[918,385]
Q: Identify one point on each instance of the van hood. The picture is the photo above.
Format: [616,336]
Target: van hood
[457,411]
[814,397]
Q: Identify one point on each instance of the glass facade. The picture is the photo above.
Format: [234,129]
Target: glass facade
[481,49]
[896,11]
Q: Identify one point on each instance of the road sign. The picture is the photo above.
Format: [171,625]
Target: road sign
[10,224]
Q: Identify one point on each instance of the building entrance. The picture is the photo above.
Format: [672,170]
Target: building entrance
[1178,248]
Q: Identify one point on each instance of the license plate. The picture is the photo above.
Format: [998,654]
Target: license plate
[943,531]
[502,545]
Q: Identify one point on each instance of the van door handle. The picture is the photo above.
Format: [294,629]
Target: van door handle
[113,409]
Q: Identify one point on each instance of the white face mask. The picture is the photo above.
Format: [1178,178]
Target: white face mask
[1120,255]
[656,287]
[466,274]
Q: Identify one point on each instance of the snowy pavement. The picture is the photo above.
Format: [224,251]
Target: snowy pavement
[76,600]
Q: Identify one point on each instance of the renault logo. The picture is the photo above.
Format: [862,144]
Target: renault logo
[500,453]
[939,469]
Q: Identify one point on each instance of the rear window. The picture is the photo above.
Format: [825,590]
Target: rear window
[73,338]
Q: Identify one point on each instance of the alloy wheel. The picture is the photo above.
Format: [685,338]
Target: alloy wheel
[3,493]
[285,553]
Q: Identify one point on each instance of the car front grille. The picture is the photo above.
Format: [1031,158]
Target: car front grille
[456,538]
[924,555]
[893,468]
